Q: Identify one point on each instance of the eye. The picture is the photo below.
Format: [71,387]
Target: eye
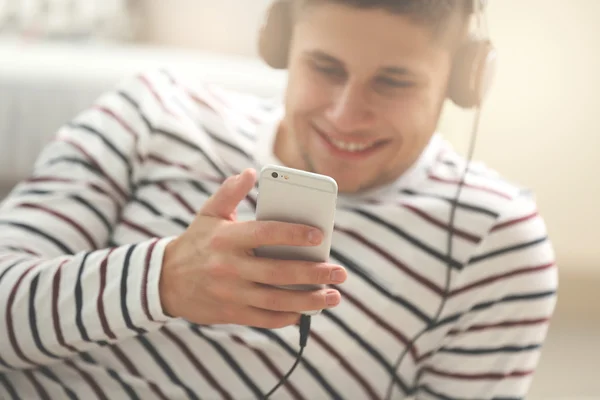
[330,71]
[394,83]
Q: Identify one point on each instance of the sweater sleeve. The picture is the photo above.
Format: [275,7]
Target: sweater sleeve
[63,290]
[509,293]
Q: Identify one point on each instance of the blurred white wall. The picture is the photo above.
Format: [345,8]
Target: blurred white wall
[540,125]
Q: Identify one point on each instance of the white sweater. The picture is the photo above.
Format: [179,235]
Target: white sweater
[82,241]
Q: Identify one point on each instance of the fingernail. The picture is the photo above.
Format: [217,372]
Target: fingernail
[338,276]
[314,236]
[332,298]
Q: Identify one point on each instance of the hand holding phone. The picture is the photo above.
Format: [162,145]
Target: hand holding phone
[210,274]
[299,197]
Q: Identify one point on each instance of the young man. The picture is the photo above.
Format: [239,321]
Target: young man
[126,263]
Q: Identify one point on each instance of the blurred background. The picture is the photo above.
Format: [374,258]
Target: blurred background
[540,127]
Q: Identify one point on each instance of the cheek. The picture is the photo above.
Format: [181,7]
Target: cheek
[307,93]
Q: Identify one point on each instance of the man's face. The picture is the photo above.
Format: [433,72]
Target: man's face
[364,95]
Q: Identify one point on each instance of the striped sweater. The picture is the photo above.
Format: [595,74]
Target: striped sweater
[82,241]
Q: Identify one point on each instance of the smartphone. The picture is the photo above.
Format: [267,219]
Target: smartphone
[299,197]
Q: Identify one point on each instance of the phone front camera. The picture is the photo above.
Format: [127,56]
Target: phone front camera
[275,175]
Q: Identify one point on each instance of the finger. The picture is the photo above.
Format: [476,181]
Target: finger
[284,272]
[284,300]
[269,319]
[223,203]
[254,234]
[259,318]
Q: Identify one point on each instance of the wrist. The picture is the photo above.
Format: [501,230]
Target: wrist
[167,284]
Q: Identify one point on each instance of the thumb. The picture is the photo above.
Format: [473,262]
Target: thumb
[223,203]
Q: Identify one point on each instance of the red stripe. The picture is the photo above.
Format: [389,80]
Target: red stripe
[269,364]
[65,180]
[65,218]
[133,371]
[15,251]
[505,324]
[421,279]
[378,320]
[114,184]
[177,197]
[9,319]
[156,96]
[100,300]
[55,312]
[144,293]
[465,235]
[88,378]
[514,221]
[124,124]
[160,160]
[471,186]
[199,366]
[344,363]
[485,376]
[201,102]
[139,228]
[496,278]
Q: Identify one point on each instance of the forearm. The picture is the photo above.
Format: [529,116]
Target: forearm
[50,309]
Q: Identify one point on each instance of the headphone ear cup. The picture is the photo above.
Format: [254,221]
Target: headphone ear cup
[472,73]
[276,34]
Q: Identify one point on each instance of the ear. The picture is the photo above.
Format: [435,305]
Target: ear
[275,34]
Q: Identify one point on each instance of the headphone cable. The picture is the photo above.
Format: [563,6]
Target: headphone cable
[472,142]
[304,332]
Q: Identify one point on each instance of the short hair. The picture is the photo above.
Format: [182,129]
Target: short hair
[435,14]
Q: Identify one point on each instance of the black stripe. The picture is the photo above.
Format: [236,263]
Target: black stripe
[505,250]
[437,395]
[504,349]
[165,367]
[79,301]
[2,361]
[226,143]
[416,242]
[113,374]
[63,247]
[3,274]
[305,363]
[351,265]
[95,211]
[196,185]
[50,375]
[451,200]
[488,304]
[124,276]
[177,221]
[247,134]
[369,349]
[191,146]
[109,144]
[33,318]
[135,105]
[38,387]
[200,188]
[229,360]
[90,167]
[9,387]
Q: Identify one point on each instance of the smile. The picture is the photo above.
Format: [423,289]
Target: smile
[343,148]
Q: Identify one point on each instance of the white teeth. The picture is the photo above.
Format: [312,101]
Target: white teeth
[351,147]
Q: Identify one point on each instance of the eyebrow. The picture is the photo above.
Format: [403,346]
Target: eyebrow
[391,70]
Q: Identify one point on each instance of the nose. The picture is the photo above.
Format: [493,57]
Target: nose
[351,110]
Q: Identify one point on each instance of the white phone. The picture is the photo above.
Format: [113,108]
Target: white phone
[300,197]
